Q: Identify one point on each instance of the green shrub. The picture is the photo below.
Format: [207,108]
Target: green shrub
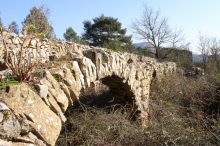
[7,82]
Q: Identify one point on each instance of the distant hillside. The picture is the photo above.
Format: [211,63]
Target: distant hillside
[197,58]
[144,45]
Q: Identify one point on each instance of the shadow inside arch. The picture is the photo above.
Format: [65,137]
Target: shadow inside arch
[111,94]
[107,107]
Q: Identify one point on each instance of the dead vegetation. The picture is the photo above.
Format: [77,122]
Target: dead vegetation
[183,111]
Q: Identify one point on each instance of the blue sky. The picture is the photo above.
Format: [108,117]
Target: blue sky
[192,16]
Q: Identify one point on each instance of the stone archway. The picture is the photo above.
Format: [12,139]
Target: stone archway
[128,76]
[120,89]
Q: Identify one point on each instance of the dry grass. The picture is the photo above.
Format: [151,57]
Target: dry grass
[183,111]
[100,122]
[90,126]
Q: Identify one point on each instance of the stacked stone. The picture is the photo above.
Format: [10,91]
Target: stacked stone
[127,75]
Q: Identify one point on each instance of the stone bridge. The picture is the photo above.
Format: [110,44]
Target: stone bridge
[42,104]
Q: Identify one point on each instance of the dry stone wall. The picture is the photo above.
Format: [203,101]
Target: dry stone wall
[127,75]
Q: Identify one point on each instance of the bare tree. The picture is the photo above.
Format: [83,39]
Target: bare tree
[203,48]
[156,31]
[214,52]
[15,28]
[39,17]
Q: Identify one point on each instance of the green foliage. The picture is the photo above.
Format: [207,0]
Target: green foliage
[183,58]
[41,35]
[6,115]
[1,22]
[7,82]
[39,17]
[71,35]
[30,27]
[106,32]
[1,25]
[113,45]
[215,74]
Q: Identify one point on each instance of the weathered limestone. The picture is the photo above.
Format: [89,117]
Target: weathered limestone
[4,143]
[42,90]
[9,126]
[28,105]
[127,75]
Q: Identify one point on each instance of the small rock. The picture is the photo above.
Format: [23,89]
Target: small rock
[21,144]
[24,126]
[4,143]
[10,125]
[42,90]
[45,39]
[24,139]
[33,42]
[9,41]
[39,44]
[53,57]
[16,40]
[38,141]
[1,116]
[3,106]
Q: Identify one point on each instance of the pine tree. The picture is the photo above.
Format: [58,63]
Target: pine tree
[106,32]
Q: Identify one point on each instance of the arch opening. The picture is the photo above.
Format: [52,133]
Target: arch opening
[108,106]
[110,93]
[120,90]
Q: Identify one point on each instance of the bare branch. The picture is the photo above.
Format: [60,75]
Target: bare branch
[155,30]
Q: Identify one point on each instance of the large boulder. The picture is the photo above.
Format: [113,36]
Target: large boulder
[29,105]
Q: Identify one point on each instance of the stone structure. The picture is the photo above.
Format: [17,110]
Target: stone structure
[58,86]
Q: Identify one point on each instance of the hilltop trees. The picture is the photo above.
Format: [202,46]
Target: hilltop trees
[39,17]
[106,32]
[214,53]
[1,25]
[15,28]
[209,49]
[203,48]
[156,31]
[71,35]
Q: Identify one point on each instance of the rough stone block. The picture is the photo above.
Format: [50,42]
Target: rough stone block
[24,101]
[42,90]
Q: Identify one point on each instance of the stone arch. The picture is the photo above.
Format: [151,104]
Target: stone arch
[86,65]
[124,74]
[119,88]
